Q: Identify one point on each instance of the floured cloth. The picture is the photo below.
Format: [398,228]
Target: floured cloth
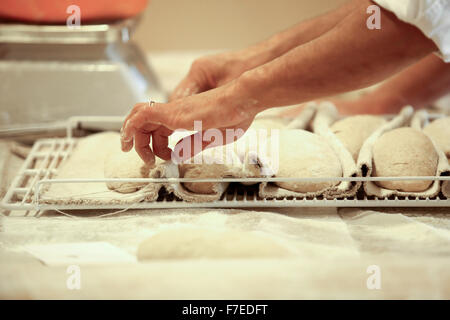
[87,162]
[420,121]
[332,255]
[365,160]
[326,115]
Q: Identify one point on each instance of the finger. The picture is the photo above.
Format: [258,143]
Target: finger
[135,109]
[126,136]
[191,145]
[126,145]
[142,146]
[147,118]
[160,146]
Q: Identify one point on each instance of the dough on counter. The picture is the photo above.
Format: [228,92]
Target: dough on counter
[439,132]
[188,243]
[120,164]
[404,152]
[304,154]
[353,131]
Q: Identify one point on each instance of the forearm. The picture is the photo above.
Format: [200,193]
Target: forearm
[299,34]
[348,57]
[418,85]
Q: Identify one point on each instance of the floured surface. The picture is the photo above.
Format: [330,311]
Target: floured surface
[331,252]
[87,161]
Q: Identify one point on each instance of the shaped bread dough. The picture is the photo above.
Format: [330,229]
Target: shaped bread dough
[439,132]
[202,171]
[353,131]
[304,154]
[208,243]
[211,163]
[125,165]
[404,152]
[446,188]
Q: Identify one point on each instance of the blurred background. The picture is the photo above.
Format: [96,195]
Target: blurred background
[54,66]
[51,71]
[214,24]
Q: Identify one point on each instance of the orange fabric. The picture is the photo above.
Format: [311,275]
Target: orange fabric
[55,11]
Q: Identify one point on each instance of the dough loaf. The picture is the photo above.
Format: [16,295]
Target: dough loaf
[188,243]
[404,152]
[213,163]
[202,171]
[439,132]
[304,154]
[353,131]
[120,164]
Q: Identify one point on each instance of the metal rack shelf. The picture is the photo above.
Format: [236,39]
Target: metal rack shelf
[47,155]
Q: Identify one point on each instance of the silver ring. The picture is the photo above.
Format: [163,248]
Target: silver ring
[151,103]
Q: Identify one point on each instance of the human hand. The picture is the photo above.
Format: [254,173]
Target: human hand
[222,109]
[213,71]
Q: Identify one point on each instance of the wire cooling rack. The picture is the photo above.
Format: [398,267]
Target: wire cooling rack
[46,156]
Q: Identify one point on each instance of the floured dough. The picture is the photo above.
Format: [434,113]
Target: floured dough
[188,243]
[120,164]
[212,163]
[353,131]
[404,152]
[303,154]
[446,188]
[439,132]
[202,171]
